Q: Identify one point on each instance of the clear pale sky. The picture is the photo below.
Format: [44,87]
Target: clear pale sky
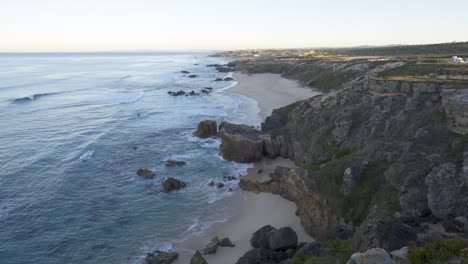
[107,25]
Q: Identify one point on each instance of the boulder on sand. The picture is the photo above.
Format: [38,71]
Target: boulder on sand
[225,242]
[198,259]
[171,184]
[206,129]
[145,173]
[260,238]
[159,257]
[211,247]
[282,239]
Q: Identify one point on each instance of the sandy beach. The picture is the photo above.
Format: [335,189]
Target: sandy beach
[255,210]
[270,90]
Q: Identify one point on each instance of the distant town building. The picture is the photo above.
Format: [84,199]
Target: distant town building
[456,59]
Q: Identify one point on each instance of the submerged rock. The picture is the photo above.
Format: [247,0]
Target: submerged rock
[206,129]
[220,185]
[193,76]
[146,173]
[198,259]
[172,163]
[171,184]
[178,93]
[185,72]
[218,79]
[159,257]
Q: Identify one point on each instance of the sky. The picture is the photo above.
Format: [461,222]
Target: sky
[130,25]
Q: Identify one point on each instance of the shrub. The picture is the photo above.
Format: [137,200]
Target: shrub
[438,251]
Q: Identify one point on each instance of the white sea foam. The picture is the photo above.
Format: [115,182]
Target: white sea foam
[87,155]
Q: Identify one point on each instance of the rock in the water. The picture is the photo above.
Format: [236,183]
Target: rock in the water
[225,242]
[171,184]
[260,239]
[198,259]
[220,185]
[282,239]
[146,173]
[206,129]
[193,76]
[185,72]
[173,163]
[228,79]
[212,247]
[211,184]
[178,93]
[371,256]
[229,178]
[218,80]
[159,257]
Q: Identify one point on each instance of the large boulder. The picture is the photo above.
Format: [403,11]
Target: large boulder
[371,256]
[146,173]
[171,184]
[261,237]
[445,195]
[160,257]
[264,256]
[456,108]
[206,129]
[225,242]
[198,259]
[400,256]
[282,239]
[240,143]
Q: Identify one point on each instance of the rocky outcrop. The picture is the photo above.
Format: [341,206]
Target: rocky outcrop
[371,256]
[206,129]
[446,191]
[225,242]
[455,103]
[260,238]
[160,257]
[240,143]
[282,239]
[380,229]
[296,185]
[146,173]
[211,247]
[171,184]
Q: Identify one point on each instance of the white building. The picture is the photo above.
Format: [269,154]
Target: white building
[456,59]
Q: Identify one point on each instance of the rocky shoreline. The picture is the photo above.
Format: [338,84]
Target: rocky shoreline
[381,172]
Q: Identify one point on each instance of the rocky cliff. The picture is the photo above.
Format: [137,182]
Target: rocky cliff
[373,150]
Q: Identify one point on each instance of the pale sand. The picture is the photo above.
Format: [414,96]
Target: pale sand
[256,210]
[271,91]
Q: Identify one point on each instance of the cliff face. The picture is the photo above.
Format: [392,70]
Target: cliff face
[397,145]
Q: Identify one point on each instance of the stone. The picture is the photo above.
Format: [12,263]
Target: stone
[146,173]
[211,247]
[445,196]
[185,72]
[193,76]
[198,259]
[414,202]
[173,163]
[160,257]
[218,79]
[371,256]
[171,184]
[260,238]
[263,256]
[220,185]
[240,143]
[206,129]
[282,239]
[228,79]
[178,93]
[211,184]
[225,242]
[400,256]
[456,108]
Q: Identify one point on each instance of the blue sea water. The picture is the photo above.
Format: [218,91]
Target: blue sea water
[74,128]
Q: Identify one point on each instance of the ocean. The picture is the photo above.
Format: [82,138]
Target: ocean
[75,128]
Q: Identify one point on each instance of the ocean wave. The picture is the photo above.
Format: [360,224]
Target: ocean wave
[31,98]
[87,155]
[118,98]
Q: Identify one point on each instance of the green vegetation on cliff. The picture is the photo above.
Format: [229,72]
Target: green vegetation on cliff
[439,251]
[334,251]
